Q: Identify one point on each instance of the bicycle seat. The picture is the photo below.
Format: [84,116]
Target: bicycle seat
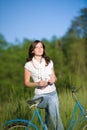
[35,102]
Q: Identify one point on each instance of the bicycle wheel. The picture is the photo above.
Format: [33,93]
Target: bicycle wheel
[81,125]
[84,127]
[19,125]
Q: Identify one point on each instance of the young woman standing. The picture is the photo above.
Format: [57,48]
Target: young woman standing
[40,68]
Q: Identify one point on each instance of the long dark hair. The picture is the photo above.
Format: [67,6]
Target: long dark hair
[31,54]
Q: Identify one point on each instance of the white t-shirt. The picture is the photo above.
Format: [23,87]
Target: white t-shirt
[34,74]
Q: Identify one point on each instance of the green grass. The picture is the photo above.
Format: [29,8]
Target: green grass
[67,104]
[15,106]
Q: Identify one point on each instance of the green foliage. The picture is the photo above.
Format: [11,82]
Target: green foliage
[78,27]
[69,55]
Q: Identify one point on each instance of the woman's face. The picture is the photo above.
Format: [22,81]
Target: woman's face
[38,51]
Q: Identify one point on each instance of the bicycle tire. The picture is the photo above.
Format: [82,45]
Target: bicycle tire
[19,125]
[81,125]
[84,127]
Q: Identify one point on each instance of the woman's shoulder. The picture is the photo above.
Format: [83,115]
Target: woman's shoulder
[50,63]
[28,64]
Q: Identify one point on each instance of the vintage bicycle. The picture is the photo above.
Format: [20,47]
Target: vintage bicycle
[78,120]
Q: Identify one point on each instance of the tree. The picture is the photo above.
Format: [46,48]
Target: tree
[78,27]
[3,43]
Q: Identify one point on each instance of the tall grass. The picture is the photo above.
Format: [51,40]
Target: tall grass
[67,104]
[15,106]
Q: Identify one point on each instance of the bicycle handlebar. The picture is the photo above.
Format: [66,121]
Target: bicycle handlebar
[74,90]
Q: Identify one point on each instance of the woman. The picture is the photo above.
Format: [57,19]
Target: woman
[40,68]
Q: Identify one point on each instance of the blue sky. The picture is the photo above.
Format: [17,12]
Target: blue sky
[37,19]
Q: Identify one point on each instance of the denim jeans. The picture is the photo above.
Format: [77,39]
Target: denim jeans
[51,106]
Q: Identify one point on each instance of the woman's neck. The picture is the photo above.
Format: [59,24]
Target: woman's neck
[38,58]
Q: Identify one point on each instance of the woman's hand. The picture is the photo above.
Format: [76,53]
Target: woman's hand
[52,79]
[43,83]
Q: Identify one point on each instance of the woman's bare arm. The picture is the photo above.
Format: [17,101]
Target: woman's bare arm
[53,77]
[28,83]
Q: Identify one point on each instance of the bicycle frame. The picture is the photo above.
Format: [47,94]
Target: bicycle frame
[29,122]
[80,117]
[37,113]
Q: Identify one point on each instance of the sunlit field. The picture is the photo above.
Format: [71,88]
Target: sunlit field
[16,106]
[67,104]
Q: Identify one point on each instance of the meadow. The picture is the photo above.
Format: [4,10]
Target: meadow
[16,106]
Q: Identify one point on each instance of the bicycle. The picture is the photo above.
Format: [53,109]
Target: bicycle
[76,120]
[79,121]
[24,124]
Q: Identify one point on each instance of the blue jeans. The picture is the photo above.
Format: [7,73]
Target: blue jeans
[51,106]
